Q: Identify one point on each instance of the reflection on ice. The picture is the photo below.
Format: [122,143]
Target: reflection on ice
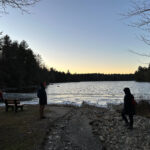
[94,93]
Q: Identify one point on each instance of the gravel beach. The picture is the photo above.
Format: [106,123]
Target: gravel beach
[69,127]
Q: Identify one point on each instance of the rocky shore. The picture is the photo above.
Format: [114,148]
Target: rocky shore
[74,128]
[92,128]
[115,136]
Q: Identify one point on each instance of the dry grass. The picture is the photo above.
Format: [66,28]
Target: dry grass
[22,130]
[143,108]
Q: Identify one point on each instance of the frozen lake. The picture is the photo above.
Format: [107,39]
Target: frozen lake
[97,93]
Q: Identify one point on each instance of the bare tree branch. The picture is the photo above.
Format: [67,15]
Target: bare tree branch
[144,63]
[141,54]
[20,4]
[140,14]
[141,11]
[145,40]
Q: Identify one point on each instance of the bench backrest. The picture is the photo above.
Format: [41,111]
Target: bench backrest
[12,101]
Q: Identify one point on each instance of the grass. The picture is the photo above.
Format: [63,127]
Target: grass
[22,130]
[143,108]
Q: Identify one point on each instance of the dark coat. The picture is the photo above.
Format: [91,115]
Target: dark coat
[42,96]
[1,97]
[129,107]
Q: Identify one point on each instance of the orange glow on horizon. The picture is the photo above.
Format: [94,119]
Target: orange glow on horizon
[90,67]
[96,70]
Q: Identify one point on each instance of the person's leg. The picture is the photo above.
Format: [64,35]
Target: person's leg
[41,111]
[124,118]
[131,121]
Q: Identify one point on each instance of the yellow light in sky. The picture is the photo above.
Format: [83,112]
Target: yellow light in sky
[94,69]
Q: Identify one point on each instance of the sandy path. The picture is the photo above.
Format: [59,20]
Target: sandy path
[71,131]
[80,132]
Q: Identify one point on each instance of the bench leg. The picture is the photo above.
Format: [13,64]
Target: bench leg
[16,109]
[12,108]
[6,109]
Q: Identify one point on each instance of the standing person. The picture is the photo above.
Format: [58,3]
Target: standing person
[1,96]
[42,99]
[129,108]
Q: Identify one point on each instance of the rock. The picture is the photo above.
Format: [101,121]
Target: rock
[101,138]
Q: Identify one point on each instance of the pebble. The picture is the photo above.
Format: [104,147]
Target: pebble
[102,138]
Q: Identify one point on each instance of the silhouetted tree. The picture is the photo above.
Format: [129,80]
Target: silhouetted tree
[140,13]
[19,65]
[143,74]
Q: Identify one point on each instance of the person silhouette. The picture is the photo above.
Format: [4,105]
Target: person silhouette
[1,96]
[129,108]
[42,99]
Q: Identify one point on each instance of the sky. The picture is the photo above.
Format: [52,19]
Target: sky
[82,36]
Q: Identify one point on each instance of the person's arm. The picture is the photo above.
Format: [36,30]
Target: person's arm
[38,93]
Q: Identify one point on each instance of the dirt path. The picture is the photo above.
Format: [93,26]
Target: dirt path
[72,131]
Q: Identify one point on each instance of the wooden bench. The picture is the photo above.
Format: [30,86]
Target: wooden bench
[13,104]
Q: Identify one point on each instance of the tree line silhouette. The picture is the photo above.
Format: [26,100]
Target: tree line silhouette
[21,67]
[68,77]
[143,74]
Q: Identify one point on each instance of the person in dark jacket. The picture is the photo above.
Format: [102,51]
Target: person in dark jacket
[42,99]
[1,96]
[129,108]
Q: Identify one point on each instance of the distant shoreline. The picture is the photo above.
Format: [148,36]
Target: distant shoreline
[33,88]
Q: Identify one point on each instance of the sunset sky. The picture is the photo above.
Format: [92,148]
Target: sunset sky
[83,36]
